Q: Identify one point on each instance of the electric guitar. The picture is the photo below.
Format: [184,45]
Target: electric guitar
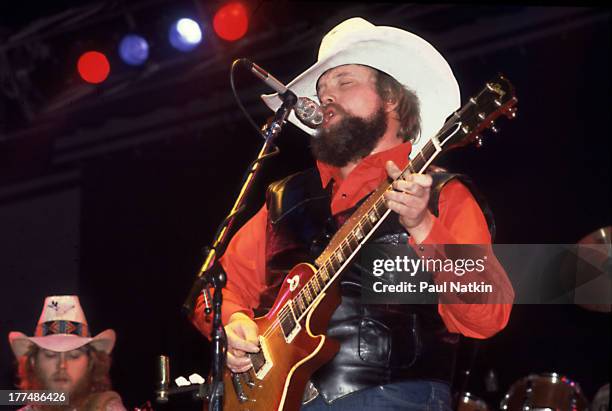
[293,342]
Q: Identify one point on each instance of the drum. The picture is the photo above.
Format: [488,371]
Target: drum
[469,402]
[549,391]
[601,401]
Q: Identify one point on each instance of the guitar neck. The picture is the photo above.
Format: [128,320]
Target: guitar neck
[367,217]
[355,232]
[462,128]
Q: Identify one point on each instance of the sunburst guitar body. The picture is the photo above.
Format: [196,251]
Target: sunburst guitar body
[291,348]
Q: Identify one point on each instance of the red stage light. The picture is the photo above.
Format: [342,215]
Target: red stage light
[93,67]
[231,21]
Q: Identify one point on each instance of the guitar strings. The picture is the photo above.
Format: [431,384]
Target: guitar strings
[286,313]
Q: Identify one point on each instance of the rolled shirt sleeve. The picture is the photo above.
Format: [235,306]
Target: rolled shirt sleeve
[244,264]
[461,221]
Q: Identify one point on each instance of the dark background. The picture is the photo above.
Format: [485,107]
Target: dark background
[111,192]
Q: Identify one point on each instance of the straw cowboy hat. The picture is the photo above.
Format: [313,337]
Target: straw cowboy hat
[62,327]
[403,55]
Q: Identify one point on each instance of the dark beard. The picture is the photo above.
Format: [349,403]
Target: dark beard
[350,140]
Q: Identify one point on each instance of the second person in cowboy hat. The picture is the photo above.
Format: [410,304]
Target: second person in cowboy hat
[62,356]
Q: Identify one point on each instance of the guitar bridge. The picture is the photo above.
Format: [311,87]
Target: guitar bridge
[262,361]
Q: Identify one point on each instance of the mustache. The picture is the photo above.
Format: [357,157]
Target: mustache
[349,139]
[335,107]
[60,376]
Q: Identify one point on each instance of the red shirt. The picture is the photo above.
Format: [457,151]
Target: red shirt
[460,221]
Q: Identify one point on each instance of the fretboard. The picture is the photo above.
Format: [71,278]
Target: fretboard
[462,128]
[354,233]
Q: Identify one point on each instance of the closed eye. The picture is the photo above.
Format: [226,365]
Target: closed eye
[49,354]
[74,354]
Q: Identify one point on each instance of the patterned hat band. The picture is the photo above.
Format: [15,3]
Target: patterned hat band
[61,327]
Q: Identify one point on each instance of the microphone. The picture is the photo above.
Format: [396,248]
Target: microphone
[163,374]
[306,110]
[267,78]
[309,112]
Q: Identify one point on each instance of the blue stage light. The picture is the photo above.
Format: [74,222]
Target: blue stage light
[185,34]
[133,49]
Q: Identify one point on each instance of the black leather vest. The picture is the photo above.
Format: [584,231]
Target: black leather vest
[379,344]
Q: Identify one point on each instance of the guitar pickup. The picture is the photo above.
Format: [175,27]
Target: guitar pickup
[288,323]
[262,361]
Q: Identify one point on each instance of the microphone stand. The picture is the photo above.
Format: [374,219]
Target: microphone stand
[207,276]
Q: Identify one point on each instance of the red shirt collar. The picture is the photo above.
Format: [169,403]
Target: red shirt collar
[373,162]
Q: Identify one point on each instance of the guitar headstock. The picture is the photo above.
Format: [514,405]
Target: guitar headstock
[497,98]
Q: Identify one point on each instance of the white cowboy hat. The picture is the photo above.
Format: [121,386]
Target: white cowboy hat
[405,56]
[62,327]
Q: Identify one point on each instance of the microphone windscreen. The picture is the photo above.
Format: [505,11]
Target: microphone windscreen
[309,112]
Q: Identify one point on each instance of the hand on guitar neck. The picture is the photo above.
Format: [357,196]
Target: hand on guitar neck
[242,338]
[409,198]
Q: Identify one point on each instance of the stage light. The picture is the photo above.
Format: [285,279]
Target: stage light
[185,34]
[93,67]
[133,49]
[231,21]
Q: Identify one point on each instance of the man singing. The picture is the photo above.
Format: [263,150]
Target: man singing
[380,89]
